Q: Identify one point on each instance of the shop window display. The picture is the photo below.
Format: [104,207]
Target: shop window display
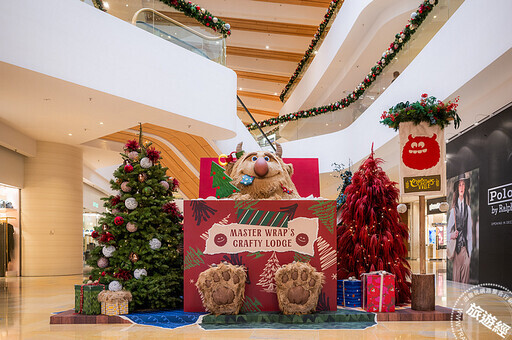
[9,231]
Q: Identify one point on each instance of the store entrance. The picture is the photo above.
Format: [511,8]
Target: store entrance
[9,231]
[436,230]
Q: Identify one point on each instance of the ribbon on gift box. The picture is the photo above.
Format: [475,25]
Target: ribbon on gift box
[352,278]
[82,293]
[381,273]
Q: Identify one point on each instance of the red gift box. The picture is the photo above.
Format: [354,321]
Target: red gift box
[378,291]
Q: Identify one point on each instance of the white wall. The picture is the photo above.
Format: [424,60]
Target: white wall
[74,42]
[470,41]
[92,195]
[11,168]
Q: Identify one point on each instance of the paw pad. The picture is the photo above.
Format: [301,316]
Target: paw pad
[222,288]
[298,288]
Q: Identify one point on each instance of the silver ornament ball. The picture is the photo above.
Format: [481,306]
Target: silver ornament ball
[108,250]
[138,273]
[115,286]
[146,163]
[131,203]
[155,243]
[401,208]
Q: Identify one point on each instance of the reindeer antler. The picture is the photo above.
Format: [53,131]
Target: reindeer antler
[279,150]
[239,147]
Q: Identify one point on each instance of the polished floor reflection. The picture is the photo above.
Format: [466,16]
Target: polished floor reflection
[27,303]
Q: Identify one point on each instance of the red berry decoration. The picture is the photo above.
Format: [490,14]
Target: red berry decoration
[131,145]
[116,199]
[119,220]
[103,273]
[153,155]
[128,168]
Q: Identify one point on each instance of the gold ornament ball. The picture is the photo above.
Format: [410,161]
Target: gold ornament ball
[119,181]
[133,257]
[104,227]
[142,177]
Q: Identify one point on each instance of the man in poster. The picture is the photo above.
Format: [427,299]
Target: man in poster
[460,229]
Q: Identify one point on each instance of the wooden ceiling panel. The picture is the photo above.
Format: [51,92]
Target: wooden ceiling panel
[252,25]
[189,183]
[253,111]
[311,3]
[262,76]
[257,95]
[263,53]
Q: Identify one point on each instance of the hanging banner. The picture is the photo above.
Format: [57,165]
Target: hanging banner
[422,155]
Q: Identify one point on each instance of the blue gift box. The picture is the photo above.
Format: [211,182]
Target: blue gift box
[349,292]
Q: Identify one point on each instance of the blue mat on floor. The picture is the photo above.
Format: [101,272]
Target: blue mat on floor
[165,319]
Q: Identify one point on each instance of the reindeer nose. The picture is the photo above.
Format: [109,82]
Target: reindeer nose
[261,167]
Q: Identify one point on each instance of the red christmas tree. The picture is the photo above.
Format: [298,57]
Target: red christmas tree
[371,236]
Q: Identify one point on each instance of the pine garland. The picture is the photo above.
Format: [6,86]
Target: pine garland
[202,15]
[428,109]
[401,39]
[331,11]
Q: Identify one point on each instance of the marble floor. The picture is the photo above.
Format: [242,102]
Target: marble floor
[27,303]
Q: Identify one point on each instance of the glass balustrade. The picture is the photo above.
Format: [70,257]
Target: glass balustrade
[208,46]
[339,120]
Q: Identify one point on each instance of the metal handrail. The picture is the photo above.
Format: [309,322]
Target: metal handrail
[177,23]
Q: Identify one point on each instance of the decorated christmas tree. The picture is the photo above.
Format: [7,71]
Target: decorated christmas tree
[371,236]
[141,234]
[267,277]
[221,181]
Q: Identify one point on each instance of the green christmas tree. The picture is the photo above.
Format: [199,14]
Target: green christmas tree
[141,234]
[221,181]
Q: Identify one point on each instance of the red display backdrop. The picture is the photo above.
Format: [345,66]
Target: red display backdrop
[305,176]
[262,236]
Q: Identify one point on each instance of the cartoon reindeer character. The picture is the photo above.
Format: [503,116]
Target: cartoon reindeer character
[262,175]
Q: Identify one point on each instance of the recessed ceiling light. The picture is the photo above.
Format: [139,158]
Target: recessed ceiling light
[383,88]
[240,89]
[435,16]
[70,134]
[326,124]
[106,5]
[126,5]
[267,47]
[101,123]
[315,52]
[275,93]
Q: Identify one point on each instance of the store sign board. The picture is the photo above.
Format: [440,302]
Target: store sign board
[433,205]
[422,153]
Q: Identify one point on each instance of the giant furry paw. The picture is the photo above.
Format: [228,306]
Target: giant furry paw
[222,288]
[298,288]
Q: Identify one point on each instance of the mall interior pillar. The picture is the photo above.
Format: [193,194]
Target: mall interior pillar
[51,211]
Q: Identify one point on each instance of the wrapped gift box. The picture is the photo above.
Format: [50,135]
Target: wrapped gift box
[378,292]
[114,303]
[349,293]
[86,298]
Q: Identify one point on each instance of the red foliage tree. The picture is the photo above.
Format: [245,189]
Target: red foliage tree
[371,236]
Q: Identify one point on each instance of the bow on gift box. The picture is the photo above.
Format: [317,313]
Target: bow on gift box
[381,273]
[82,293]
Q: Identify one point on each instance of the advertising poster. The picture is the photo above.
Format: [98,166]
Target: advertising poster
[463,226]
[482,158]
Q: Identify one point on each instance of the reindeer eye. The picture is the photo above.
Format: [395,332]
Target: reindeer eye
[254,158]
[267,158]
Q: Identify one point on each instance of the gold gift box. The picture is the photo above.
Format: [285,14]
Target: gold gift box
[114,303]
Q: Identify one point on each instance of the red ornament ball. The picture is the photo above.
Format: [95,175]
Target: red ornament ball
[94,234]
[128,168]
[103,273]
[118,220]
